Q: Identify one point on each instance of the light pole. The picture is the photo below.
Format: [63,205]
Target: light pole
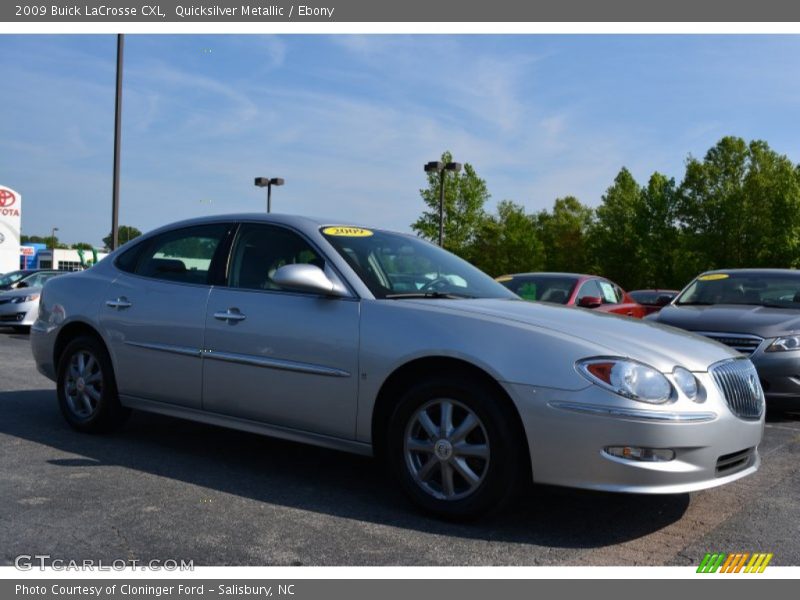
[268,183]
[438,166]
[117,140]
[53,241]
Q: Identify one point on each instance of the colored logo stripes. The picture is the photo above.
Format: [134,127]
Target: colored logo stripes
[734,563]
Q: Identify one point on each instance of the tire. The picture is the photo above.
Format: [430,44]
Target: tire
[86,388]
[493,450]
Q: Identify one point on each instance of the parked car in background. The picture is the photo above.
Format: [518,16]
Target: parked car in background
[754,311]
[653,300]
[26,277]
[572,289]
[19,307]
[380,343]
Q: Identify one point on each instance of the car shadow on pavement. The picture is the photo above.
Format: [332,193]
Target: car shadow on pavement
[325,481]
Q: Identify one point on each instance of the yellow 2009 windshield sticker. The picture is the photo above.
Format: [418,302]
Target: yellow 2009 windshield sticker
[504,278]
[713,277]
[347,231]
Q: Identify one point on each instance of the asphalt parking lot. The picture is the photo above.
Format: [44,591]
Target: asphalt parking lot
[162,489]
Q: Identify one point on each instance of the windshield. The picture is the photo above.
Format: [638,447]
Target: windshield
[38,279]
[392,265]
[651,297]
[10,278]
[765,289]
[540,287]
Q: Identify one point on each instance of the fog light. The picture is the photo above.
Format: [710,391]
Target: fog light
[641,454]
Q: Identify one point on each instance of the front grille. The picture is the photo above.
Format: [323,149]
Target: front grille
[735,461]
[738,381]
[12,318]
[741,342]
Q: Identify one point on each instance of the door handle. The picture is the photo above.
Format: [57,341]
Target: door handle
[232,314]
[119,303]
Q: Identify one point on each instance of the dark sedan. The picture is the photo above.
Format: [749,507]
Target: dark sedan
[754,311]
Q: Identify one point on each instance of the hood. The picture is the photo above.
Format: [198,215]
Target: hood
[756,320]
[653,344]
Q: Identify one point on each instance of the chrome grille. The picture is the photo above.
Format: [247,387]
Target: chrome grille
[741,342]
[738,381]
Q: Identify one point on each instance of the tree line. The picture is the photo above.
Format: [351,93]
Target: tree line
[738,206]
[126,233]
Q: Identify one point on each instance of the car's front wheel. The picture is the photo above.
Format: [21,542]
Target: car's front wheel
[456,448]
[86,388]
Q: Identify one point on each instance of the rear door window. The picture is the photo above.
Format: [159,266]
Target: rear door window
[182,255]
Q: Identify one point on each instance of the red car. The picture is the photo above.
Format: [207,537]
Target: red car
[571,289]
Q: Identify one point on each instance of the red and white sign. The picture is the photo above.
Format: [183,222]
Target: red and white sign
[10,219]
[27,251]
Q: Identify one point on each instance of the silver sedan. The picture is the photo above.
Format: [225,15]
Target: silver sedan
[19,307]
[380,343]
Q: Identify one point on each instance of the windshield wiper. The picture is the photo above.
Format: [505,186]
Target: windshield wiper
[448,295]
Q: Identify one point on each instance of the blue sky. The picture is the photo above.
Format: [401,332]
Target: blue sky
[348,121]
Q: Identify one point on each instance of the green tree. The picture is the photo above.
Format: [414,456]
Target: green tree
[464,199]
[508,242]
[563,233]
[658,255]
[740,207]
[126,234]
[82,246]
[616,233]
[42,239]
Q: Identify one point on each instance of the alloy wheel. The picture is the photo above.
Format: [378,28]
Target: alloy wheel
[447,449]
[83,384]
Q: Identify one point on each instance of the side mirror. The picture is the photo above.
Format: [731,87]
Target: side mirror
[305,278]
[22,284]
[663,300]
[590,301]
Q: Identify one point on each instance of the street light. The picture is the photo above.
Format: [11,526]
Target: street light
[438,166]
[53,241]
[117,141]
[268,183]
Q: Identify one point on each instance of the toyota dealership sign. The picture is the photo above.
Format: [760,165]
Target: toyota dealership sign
[10,215]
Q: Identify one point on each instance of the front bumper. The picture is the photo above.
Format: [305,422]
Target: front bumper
[569,431]
[779,373]
[18,315]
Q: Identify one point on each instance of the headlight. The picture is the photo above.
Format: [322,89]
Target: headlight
[24,299]
[784,344]
[686,382]
[627,378]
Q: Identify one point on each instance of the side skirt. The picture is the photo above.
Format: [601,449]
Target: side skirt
[210,418]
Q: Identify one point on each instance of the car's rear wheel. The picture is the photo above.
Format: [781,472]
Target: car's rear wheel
[456,448]
[86,388]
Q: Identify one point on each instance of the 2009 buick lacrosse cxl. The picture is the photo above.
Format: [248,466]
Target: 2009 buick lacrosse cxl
[380,343]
